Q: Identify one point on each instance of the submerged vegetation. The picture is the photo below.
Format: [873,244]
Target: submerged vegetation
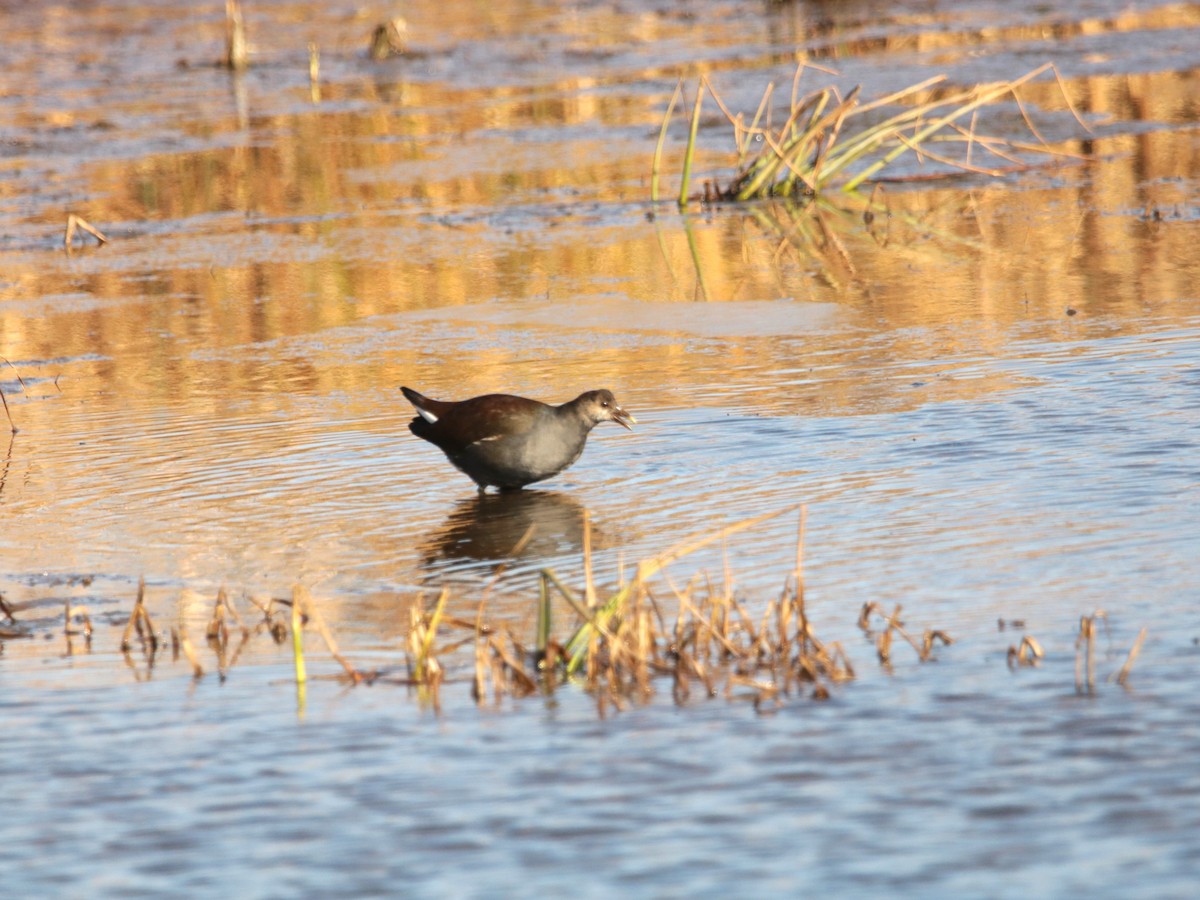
[827,139]
[700,640]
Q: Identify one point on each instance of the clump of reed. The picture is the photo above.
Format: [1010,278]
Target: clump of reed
[702,638]
[714,646]
[828,139]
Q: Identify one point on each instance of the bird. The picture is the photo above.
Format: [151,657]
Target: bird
[508,442]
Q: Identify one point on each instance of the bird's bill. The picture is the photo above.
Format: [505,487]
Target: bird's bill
[624,419]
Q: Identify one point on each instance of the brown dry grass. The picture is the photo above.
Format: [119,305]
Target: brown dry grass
[699,639]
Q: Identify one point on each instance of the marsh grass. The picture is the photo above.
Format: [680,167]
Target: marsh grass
[828,139]
[622,645]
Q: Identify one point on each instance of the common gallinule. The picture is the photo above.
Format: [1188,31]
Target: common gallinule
[508,441]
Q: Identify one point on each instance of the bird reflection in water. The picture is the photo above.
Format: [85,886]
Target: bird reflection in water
[489,527]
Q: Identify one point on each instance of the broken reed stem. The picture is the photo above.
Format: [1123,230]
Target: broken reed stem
[69,613]
[589,587]
[237,617]
[216,630]
[883,643]
[139,616]
[1123,675]
[479,684]
[314,616]
[1085,651]
[314,72]
[1026,654]
[75,222]
[236,56]
[185,643]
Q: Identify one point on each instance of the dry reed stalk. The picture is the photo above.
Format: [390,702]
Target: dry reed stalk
[1026,654]
[893,624]
[71,613]
[511,660]
[277,628]
[695,668]
[314,615]
[479,682]
[645,650]
[139,616]
[1123,675]
[389,39]
[704,624]
[1085,652]
[746,626]
[1086,630]
[479,630]
[216,631]
[236,56]
[79,223]
[589,586]
[180,636]
[928,640]
[314,72]
[223,608]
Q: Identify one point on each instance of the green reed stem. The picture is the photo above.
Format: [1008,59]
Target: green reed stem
[298,634]
[690,153]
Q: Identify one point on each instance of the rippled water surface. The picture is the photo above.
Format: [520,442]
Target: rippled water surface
[987,398]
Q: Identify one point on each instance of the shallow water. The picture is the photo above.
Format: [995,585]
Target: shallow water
[987,400]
